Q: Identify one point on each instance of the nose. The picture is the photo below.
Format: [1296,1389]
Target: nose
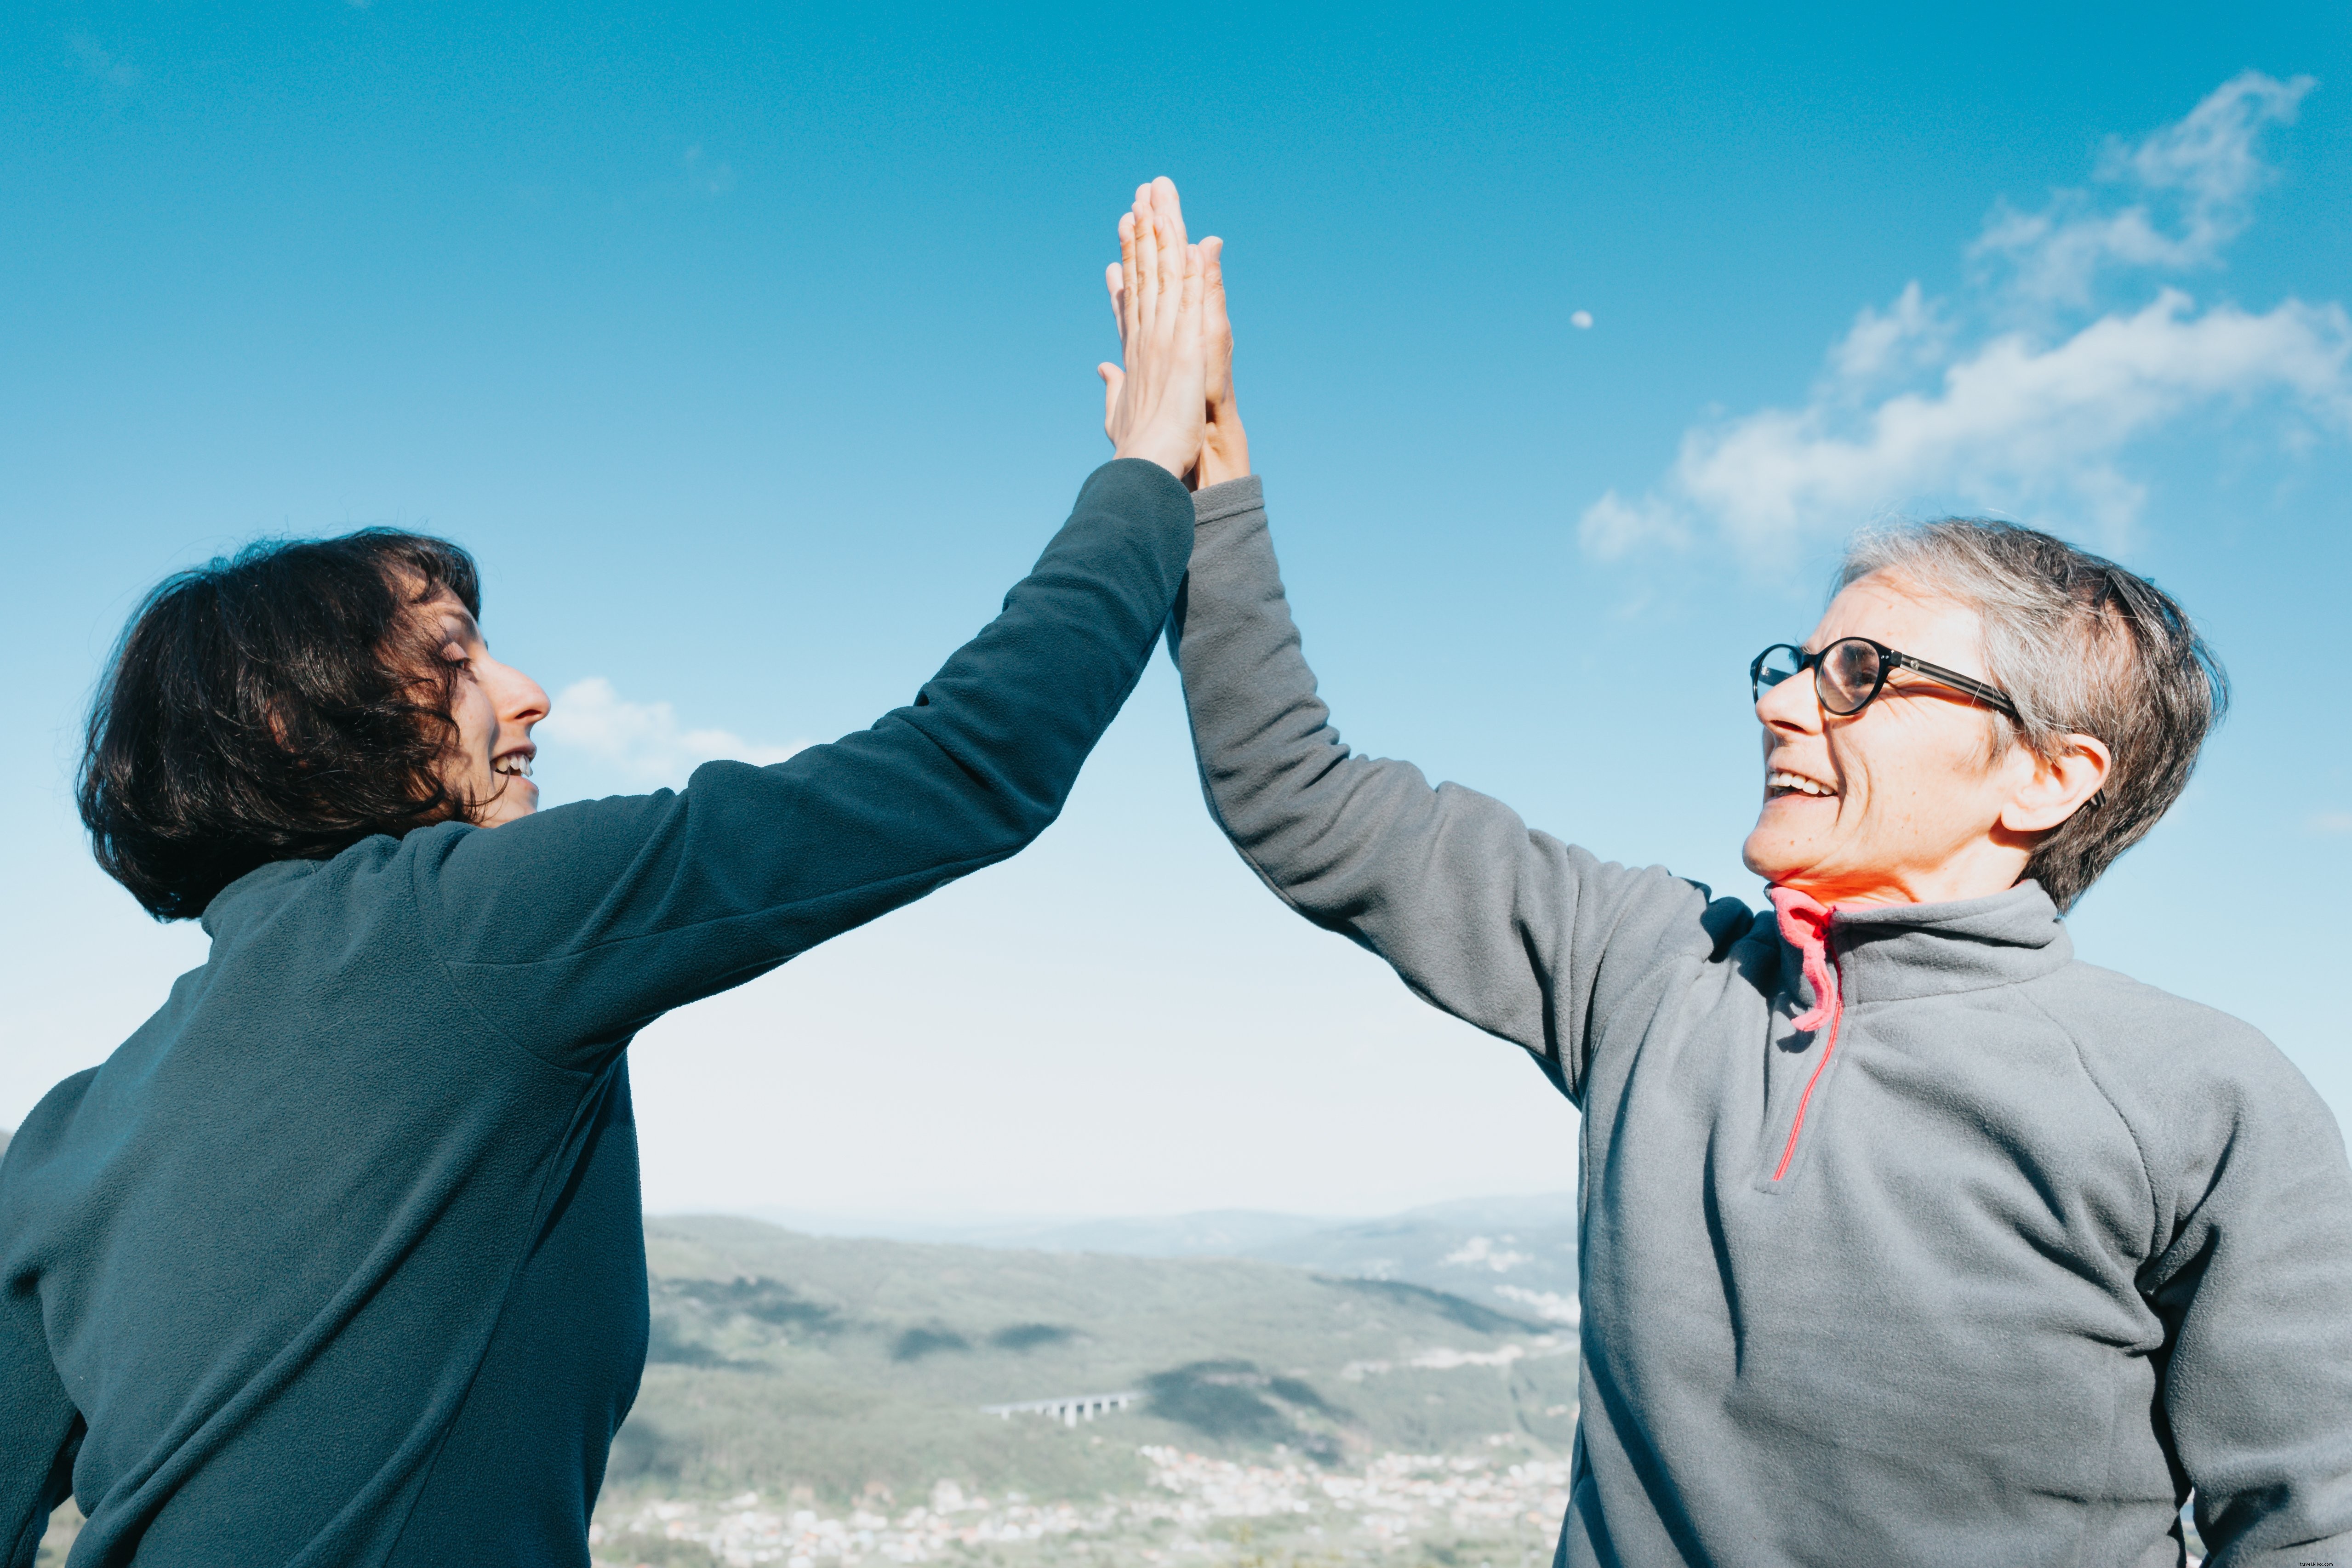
[521,700]
[1792,705]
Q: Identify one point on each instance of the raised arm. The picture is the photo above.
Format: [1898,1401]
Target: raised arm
[1524,937]
[571,929]
[576,926]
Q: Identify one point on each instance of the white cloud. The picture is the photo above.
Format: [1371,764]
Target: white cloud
[2197,179]
[1909,334]
[1913,403]
[643,742]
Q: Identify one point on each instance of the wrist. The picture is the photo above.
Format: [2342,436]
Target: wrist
[1147,453]
[1224,455]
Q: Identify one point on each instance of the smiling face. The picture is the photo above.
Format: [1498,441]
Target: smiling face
[1905,801]
[494,707]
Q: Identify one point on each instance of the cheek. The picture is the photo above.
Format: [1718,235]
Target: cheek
[476,720]
[1926,788]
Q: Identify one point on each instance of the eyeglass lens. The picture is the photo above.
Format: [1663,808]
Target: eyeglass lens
[1845,678]
[1776,665]
[1849,675]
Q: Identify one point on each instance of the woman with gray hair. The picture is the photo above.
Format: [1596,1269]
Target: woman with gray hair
[1906,1237]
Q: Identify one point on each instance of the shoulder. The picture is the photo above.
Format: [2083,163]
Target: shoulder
[2146,1031]
[2194,1083]
[42,1125]
[1651,909]
[30,1161]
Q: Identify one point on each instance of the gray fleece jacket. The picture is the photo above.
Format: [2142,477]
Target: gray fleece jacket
[1994,1271]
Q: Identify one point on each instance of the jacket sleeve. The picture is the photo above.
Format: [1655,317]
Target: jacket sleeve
[1529,938]
[571,929]
[2254,1285]
[40,1431]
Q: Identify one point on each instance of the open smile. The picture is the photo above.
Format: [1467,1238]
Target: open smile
[1779,781]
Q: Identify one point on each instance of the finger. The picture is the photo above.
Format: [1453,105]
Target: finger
[1128,295]
[1142,277]
[1173,258]
[1111,282]
[1213,287]
[1113,380]
[1170,206]
[1150,271]
[1195,280]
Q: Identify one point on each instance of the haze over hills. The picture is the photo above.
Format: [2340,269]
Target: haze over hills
[1516,1254]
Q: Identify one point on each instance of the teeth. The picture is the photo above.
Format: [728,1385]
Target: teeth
[1802,786]
[515,765]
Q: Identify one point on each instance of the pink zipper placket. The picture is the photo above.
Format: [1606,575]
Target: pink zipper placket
[1810,928]
[1804,1101]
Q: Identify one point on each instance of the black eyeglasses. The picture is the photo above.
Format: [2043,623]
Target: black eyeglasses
[1850,673]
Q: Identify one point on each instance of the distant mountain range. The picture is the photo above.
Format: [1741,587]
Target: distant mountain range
[868,1368]
[1516,1255]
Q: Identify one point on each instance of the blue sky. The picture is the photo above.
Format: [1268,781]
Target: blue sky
[750,348]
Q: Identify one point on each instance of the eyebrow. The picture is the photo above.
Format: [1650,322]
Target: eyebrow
[467,627]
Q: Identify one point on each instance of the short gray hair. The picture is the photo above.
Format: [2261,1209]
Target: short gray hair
[2082,647]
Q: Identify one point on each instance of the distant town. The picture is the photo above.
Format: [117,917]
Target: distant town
[1196,1509]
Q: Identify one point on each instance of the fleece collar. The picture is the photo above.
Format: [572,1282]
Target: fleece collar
[262,887]
[1900,952]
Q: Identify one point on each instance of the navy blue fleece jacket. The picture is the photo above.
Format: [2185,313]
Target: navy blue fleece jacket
[338,1259]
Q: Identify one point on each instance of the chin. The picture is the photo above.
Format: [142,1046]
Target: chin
[509,806]
[1774,858]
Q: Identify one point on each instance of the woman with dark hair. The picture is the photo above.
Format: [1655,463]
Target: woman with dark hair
[338,1259]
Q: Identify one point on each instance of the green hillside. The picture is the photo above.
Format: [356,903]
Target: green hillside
[838,1370]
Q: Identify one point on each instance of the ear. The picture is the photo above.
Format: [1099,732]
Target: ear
[2060,785]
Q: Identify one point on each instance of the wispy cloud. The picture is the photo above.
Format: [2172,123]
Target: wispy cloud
[116,77]
[705,175]
[2194,180]
[643,742]
[1952,397]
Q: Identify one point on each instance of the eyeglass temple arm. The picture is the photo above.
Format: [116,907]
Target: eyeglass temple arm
[1975,688]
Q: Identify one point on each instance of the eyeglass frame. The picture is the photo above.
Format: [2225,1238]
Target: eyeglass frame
[1889,661]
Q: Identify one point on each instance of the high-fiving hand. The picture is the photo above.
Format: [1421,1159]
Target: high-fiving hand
[1156,407]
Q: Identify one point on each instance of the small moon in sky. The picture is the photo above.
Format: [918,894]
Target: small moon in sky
[1581,319]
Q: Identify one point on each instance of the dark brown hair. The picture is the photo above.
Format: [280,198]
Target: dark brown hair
[283,704]
[2082,647]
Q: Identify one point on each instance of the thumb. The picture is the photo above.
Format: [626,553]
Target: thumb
[1113,380]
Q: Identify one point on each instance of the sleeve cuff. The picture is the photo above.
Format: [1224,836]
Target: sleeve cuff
[1230,500]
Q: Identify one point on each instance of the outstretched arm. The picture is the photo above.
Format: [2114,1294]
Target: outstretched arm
[1510,929]
[573,928]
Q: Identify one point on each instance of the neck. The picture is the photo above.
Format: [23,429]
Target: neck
[1978,872]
